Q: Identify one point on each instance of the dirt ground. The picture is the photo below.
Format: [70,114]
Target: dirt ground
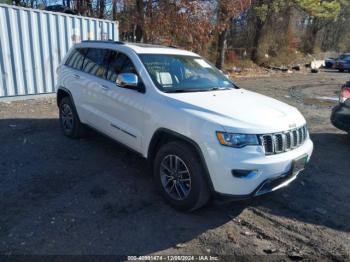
[93,196]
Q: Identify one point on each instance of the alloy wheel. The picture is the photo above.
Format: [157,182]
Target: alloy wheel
[175,177]
[67,118]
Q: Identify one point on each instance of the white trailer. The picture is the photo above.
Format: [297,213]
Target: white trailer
[33,43]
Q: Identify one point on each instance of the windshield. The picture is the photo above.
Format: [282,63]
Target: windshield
[177,73]
[344,57]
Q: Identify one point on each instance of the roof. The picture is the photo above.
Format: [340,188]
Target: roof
[141,48]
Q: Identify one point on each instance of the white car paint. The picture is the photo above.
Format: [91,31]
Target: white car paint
[195,115]
[239,110]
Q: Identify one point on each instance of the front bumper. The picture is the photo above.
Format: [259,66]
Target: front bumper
[268,186]
[273,171]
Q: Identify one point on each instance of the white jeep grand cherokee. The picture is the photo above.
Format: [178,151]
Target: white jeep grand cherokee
[203,134]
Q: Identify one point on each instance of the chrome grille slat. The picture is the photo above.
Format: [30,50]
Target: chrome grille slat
[278,143]
[295,138]
[288,141]
[302,134]
[285,141]
[300,138]
[268,144]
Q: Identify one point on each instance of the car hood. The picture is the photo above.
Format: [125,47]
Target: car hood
[239,110]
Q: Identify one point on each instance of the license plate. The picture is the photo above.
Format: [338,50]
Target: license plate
[299,164]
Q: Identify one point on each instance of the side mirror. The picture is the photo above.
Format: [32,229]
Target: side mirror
[130,81]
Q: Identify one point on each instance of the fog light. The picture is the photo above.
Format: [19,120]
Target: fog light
[244,173]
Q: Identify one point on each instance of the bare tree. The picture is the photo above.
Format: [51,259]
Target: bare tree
[227,11]
[101,8]
[114,10]
[140,10]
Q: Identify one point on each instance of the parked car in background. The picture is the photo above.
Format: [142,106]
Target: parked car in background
[329,62]
[343,65]
[340,117]
[203,135]
[340,63]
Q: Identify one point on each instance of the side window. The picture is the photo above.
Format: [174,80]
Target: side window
[76,59]
[78,62]
[95,62]
[119,63]
[70,59]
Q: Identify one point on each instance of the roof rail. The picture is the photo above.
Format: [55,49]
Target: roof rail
[131,43]
[141,44]
[103,41]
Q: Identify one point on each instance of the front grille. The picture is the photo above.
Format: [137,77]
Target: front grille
[285,141]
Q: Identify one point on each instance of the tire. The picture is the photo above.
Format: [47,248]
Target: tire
[183,190]
[69,119]
[341,70]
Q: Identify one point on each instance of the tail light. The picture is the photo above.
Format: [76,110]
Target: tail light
[344,94]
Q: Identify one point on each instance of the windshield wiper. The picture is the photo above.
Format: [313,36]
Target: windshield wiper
[197,90]
[219,88]
[186,90]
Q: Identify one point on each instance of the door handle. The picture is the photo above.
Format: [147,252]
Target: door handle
[105,87]
[76,76]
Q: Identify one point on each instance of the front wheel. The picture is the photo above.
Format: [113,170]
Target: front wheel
[179,174]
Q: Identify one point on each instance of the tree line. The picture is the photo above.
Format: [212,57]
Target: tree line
[222,30]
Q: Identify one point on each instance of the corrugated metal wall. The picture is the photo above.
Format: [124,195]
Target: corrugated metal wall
[33,42]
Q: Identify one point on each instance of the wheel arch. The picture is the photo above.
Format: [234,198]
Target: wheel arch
[163,136]
[63,92]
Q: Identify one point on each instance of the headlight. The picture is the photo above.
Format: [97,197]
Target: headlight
[237,140]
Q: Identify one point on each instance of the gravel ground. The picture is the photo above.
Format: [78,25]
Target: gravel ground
[93,196]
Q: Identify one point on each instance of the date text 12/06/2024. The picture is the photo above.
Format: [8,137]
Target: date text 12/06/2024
[173,258]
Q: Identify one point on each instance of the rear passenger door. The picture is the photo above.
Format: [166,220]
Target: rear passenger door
[94,70]
[72,77]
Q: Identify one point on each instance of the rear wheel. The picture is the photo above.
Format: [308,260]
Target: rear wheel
[70,123]
[180,176]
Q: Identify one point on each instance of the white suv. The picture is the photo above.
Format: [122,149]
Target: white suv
[203,135]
